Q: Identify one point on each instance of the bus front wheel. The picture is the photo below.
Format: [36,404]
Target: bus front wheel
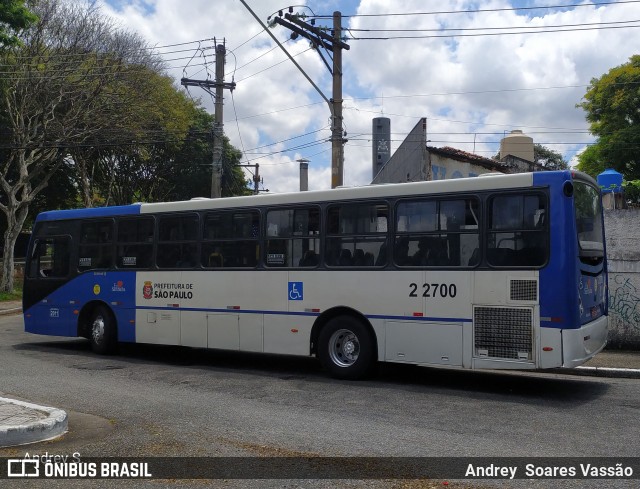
[346,348]
[102,331]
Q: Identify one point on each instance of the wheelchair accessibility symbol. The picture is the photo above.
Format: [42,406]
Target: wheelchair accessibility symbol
[295,291]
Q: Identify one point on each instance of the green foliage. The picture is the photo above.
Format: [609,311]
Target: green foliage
[14,16]
[15,295]
[612,105]
[632,191]
[193,165]
[175,167]
[590,161]
[548,158]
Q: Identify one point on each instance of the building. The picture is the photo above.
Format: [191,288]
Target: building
[415,161]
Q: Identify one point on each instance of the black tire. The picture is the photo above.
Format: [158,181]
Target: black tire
[346,348]
[102,329]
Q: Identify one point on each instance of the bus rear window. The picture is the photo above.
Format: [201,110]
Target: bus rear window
[588,221]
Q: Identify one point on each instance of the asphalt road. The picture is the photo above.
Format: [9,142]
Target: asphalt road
[166,401]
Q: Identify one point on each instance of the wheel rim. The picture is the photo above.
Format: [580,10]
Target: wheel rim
[344,348]
[97,330]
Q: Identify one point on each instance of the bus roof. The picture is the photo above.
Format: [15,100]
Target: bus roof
[434,187]
[339,194]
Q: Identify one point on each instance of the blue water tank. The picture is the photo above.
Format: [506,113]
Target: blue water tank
[610,181]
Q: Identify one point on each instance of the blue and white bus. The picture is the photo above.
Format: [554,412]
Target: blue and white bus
[495,272]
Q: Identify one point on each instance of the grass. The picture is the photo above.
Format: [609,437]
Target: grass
[16,295]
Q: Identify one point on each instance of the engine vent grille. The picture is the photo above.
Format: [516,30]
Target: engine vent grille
[523,290]
[503,332]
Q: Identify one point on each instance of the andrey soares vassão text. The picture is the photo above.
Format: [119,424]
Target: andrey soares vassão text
[582,470]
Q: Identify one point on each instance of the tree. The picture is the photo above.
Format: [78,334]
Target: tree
[612,105]
[193,164]
[548,158]
[57,94]
[126,162]
[590,161]
[14,16]
[171,168]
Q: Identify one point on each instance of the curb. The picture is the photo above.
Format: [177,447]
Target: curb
[32,432]
[627,373]
[613,372]
[7,312]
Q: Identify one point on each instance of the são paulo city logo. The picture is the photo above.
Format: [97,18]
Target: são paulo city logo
[152,290]
[147,290]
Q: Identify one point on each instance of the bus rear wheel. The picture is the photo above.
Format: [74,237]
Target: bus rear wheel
[102,331]
[346,348]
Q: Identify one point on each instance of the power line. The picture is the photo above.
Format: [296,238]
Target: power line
[233,103]
[254,59]
[274,65]
[125,53]
[486,34]
[248,40]
[480,92]
[289,139]
[519,126]
[473,11]
[441,29]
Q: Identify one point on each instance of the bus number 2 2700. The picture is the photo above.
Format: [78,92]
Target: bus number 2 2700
[433,290]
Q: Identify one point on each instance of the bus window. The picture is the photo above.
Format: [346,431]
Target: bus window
[293,237]
[588,222]
[177,241]
[135,242]
[356,235]
[50,258]
[96,245]
[517,231]
[437,233]
[230,239]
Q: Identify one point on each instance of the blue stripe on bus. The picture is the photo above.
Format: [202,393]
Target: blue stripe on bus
[300,313]
[116,210]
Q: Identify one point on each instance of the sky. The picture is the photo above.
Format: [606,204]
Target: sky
[476,70]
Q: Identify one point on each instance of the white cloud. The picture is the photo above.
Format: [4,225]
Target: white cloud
[472,89]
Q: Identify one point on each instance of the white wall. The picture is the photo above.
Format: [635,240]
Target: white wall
[622,228]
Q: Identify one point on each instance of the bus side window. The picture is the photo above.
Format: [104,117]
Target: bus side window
[292,234]
[231,239]
[96,245]
[135,242]
[517,230]
[356,234]
[177,241]
[437,233]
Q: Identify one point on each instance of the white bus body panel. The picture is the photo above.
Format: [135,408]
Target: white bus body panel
[424,343]
[493,293]
[252,311]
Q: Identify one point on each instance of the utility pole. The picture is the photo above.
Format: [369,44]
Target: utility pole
[337,142]
[257,180]
[218,131]
[334,44]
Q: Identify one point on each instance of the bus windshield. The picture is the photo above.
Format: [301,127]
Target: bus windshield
[589,221]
